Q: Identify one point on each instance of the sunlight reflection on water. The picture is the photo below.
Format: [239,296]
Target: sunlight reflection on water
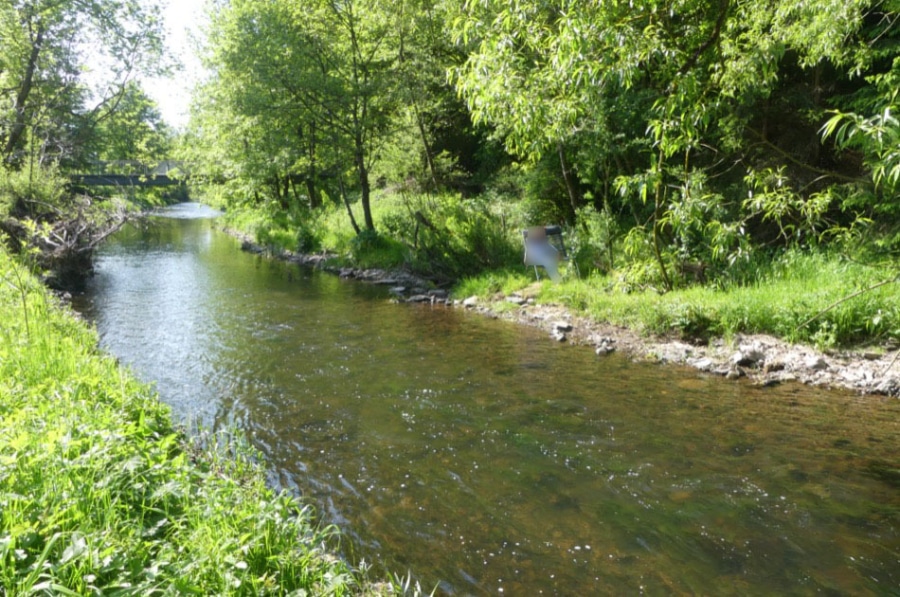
[482,456]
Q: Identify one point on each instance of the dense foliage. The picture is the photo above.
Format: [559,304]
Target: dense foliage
[70,104]
[65,68]
[685,139]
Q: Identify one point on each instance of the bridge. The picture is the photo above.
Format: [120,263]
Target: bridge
[110,174]
[125,180]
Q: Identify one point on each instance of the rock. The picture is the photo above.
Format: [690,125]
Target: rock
[562,326]
[673,352]
[419,298]
[373,275]
[773,366]
[398,290]
[604,349]
[558,335]
[815,362]
[747,356]
[438,293]
[734,373]
[470,302]
[515,299]
[347,272]
[703,363]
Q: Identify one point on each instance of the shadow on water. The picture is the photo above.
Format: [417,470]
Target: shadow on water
[485,458]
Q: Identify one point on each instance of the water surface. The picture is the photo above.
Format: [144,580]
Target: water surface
[487,459]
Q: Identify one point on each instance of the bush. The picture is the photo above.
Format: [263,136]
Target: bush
[28,191]
[371,249]
[451,236]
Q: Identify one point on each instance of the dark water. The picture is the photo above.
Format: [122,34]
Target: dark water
[487,459]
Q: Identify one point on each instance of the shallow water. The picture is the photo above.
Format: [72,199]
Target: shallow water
[487,459]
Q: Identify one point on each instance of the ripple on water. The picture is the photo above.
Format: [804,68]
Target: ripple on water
[483,457]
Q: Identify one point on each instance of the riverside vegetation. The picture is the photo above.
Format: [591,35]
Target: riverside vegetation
[100,493]
[720,168]
[824,297]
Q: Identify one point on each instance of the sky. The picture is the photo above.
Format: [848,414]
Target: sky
[183,19]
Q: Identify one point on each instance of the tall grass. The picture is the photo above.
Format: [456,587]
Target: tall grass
[100,494]
[444,236]
[802,297]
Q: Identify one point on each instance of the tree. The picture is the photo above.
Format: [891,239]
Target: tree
[317,77]
[62,63]
[698,71]
[132,131]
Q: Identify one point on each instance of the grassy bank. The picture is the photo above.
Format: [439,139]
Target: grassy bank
[819,299]
[475,245]
[100,494]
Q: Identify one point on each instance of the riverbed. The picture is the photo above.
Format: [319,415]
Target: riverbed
[485,458]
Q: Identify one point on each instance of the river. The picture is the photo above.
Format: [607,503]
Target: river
[486,459]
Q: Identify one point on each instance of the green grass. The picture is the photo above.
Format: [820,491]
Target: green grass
[100,494]
[443,236]
[506,282]
[801,298]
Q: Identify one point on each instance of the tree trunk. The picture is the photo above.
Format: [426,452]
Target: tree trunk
[18,127]
[365,189]
[312,171]
[428,157]
[281,194]
[657,207]
[570,187]
[347,205]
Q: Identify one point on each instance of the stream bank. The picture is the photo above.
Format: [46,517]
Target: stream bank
[478,454]
[763,359]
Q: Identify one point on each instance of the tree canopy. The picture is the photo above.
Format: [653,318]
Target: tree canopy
[704,128]
[65,65]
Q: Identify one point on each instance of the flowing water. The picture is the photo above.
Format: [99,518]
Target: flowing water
[483,457]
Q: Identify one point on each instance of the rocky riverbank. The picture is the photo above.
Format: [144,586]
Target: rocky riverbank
[762,359]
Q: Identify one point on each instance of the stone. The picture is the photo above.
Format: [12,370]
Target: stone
[747,356]
[703,363]
[562,326]
[419,298]
[398,290]
[558,335]
[470,302]
[815,362]
[734,373]
[888,387]
[515,299]
[773,366]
